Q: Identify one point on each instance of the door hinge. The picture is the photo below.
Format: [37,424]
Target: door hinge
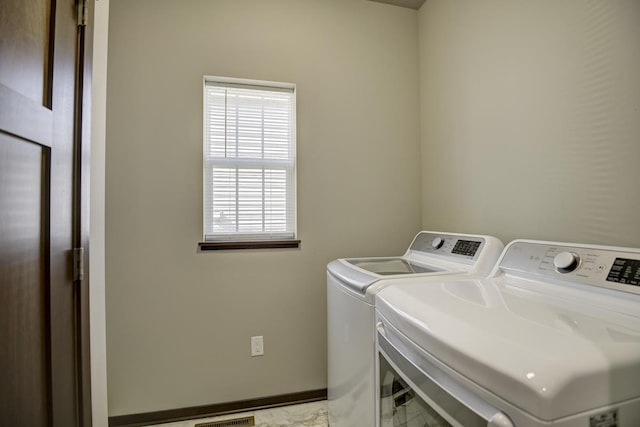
[82,13]
[78,264]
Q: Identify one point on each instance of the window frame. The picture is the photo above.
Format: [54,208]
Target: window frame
[254,240]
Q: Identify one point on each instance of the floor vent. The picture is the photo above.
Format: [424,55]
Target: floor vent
[235,422]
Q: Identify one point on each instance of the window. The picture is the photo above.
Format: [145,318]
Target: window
[249,163]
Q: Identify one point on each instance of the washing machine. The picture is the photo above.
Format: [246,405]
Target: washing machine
[351,288]
[550,338]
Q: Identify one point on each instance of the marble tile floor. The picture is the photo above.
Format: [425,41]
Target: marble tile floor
[313,414]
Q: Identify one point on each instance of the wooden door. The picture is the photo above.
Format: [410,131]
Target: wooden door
[44,360]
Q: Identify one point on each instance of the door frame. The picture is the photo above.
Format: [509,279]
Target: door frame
[81,208]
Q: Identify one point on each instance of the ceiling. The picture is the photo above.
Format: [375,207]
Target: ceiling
[411,4]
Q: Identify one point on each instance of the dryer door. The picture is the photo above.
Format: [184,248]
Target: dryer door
[412,391]
[400,405]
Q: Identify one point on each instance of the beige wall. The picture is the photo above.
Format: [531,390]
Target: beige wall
[530,127]
[530,119]
[179,322]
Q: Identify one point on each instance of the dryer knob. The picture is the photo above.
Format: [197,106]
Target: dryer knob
[566,262]
[437,242]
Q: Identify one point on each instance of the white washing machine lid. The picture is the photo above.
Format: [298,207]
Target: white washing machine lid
[552,354]
[358,274]
[397,266]
[430,254]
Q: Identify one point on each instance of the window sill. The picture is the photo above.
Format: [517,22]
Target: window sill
[259,244]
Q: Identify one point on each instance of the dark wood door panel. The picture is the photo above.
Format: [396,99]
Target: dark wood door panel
[24,117]
[25,48]
[24,352]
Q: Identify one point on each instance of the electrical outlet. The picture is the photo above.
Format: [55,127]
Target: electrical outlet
[257,346]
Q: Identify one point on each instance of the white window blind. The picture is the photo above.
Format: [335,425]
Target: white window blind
[249,160]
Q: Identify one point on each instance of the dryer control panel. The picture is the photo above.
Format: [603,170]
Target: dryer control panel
[607,267]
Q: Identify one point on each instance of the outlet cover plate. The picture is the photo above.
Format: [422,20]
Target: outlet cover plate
[257,346]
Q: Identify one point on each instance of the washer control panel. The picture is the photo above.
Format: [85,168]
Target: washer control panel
[608,267]
[458,246]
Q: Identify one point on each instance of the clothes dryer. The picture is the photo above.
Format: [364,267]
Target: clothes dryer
[551,338]
[351,288]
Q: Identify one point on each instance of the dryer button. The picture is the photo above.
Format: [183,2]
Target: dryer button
[566,262]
